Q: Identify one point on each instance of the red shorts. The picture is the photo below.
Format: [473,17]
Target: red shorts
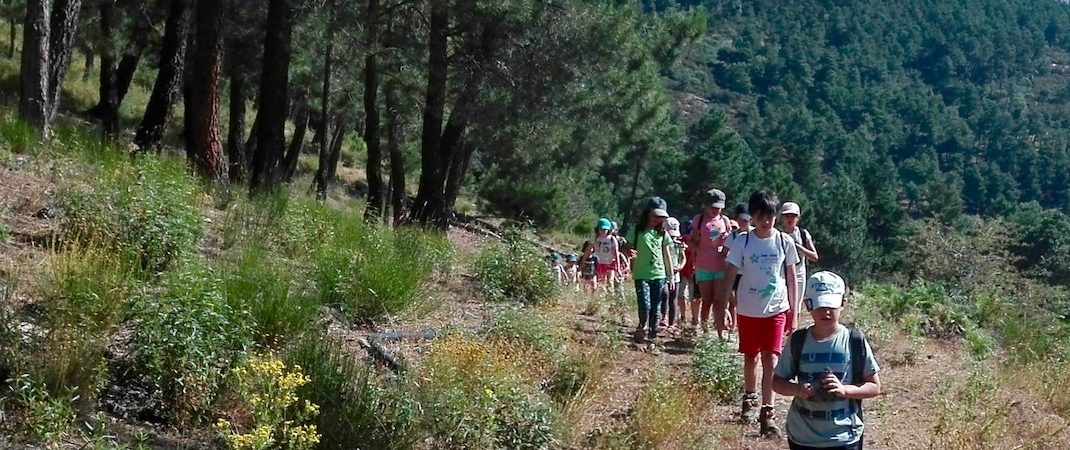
[761,333]
[606,269]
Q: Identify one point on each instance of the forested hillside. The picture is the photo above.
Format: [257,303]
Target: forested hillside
[871,113]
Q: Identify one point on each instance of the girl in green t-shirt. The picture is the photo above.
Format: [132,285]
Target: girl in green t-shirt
[652,267]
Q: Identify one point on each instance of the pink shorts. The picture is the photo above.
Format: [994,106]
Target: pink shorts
[757,334]
[606,269]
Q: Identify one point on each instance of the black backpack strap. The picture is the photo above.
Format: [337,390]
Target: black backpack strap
[798,339]
[859,355]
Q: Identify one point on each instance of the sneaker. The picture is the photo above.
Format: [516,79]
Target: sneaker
[767,423]
[749,409]
[639,336]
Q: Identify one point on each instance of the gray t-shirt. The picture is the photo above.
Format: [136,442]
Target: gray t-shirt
[802,237]
[842,426]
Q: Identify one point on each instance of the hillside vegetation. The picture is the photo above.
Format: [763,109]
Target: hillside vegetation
[163,292]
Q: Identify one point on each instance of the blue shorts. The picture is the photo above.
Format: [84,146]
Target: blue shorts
[708,275]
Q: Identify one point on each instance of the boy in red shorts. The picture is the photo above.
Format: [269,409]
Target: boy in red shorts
[767,305]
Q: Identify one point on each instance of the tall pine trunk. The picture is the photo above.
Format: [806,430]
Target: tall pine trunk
[376,195]
[397,159]
[12,34]
[274,83]
[89,62]
[297,145]
[48,33]
[429,202]
[107,107]
[323,178]
[236,128]
[207,81]
[64,27]
[33,85]
[168,79]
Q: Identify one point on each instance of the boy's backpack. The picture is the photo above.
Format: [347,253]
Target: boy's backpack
[859,355]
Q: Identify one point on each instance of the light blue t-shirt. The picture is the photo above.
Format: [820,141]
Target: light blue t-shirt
[841,424]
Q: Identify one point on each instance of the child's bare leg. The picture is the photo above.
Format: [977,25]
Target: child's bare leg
[720,305]
[769,360]
[750,373]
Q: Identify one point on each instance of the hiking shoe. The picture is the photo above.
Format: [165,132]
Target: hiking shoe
[767,423]
[639,336]
[749,410]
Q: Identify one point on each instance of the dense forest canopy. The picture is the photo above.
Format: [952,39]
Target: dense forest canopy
[871,114]
[874,113]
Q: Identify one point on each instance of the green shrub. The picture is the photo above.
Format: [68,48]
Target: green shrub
[664,415]
[375,273]
[473,395]
[147,210]
[515,271]
[5,233]
[268,289]
[187,337]
[572,376]
[356,405]
[40,417]
[717,368]
[924,308]
[543,333]
[980,343]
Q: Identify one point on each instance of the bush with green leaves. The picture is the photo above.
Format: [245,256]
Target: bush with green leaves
[515,270]
[529,326]
[186,339]
[474,394]
[717,368]
[356,403]
[146,210]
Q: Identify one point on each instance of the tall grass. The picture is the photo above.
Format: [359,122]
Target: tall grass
[147,210]
[664,415]
[356,404]
[268,288]
[473,395]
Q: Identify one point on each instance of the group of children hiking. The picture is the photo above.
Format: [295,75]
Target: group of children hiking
[752,278]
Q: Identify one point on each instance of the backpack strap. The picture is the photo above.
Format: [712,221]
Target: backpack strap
[798,339]
[859,355]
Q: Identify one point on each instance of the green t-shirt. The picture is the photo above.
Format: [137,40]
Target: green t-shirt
[649,260]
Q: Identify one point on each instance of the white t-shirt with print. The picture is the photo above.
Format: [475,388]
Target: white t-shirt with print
[762,291]
[605,248]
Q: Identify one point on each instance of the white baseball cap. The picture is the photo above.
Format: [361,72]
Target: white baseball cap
[824,290]
[672,225]
[790,208]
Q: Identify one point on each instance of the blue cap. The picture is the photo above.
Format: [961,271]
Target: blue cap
[604,224]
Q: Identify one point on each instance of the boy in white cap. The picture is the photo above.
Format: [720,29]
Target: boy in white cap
[833,369]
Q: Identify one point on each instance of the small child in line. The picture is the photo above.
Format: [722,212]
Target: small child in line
[606,249]
[589,268]
[790,213]
[711,230]
[829,369]
[676,250]
[572,270]
[686,290]
[767,304]
[652,268]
